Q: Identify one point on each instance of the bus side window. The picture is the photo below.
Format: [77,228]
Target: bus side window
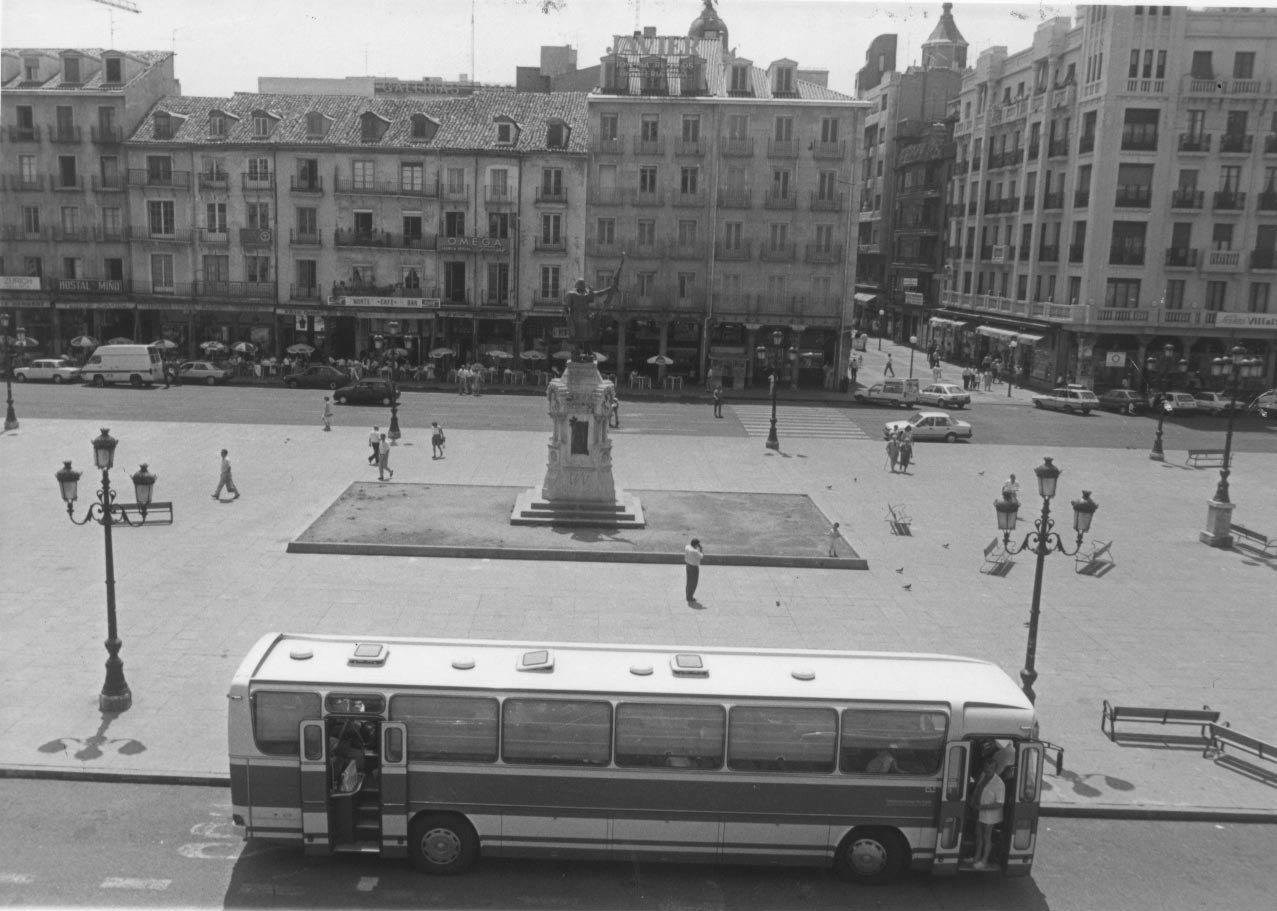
[313,743]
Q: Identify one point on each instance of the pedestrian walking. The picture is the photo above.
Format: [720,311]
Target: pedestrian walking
[168,371]
[437,440]
[936,374]
[328,414]
[383,459]
[888,369]
[718,401]
[374,441]
[693,553]
[224,480]
[893,451]
[614,412]
[833,540]
[1011,490]
[906,450]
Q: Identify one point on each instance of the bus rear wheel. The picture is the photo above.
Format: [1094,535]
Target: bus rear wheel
[442,844]
[871,856]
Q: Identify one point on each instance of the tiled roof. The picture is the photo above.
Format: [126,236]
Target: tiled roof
[95,83]
[465,123]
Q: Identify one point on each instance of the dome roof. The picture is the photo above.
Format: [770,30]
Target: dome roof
[708,25]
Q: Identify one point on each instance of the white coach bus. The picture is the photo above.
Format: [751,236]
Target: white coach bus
[443,751]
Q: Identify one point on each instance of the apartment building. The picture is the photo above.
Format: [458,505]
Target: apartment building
[1116,192]
[63,244]
[728,187]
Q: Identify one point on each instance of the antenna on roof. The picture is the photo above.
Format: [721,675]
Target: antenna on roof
[125,5]
[472,76]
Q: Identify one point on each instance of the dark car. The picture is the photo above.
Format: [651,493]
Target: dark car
[319,376]
[364,392]
[1126,401]
[205,372]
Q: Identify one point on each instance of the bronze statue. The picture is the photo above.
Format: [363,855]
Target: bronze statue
[579,314]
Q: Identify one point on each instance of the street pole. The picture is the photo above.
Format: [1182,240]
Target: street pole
[1157,454]
[1011,368]
[1029,674]
[394,403]
[882,326]
[116,696]
[10,416]
[778,338]
[913,343]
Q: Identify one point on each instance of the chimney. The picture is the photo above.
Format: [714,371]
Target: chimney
[649,31]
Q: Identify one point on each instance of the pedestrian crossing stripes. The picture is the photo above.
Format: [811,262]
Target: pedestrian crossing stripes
[807,423]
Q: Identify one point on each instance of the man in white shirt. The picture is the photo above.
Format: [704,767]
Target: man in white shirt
[692,556]
[374,441]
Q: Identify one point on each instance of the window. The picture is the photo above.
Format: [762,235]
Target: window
[162,280]
[784,84]
[363,224]
[258,215]
[159,169]
[1122,293]
[827,187]
[647,179]
[732,235]
[72,267]
[159,218]
[1230,177]
[307,274]
[644,283]
[686,285]
[686,232]
[67,174]
[671,735]
[114,69]
[556,135]
[423,127]
[691,128]
[646,228]
[740,81]
[215,217]
[412,176]
[371,127]
[829,129]
[316,125]
[825,238]
[782,739]
[277,717]
[649,128]
[26,171]
[1216,296]
[362,174]
[1175,294]
[688,180]
[454,282]
[556,732]
[784,129]
[605,232]
[499,225]
[112,222]
[262,123]
[456,181]
[550,283]
[259,170]
[552,182]
[454,224]
[217,125]
[609,127]
[738,126]
[308,222]
[1222,237]
[914,739]
[552,229]
[448,728]
[217,268]
[257,268]
[412,226]
[1202,67]
[163,125]
[778,235]
[780,183]
[1259,293]
[498,283]
[1244,65]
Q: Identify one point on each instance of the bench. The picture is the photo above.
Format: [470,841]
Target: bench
[156,514]
[997,562]
[1200,718]
[1095,562]
[1254,539]
[1205,458]
[899,520]
[1222,738]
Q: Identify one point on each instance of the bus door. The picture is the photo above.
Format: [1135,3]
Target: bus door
[1020,825]
[394,789]
[953,808]
[314,787]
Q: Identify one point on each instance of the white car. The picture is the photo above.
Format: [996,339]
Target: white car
[930,425]
[1215,403]
[1179,403]
[1073,399]
[944,395]
[55,370]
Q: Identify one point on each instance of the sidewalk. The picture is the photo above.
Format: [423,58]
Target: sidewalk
[1175,624]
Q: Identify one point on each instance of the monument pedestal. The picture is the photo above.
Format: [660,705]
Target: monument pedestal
[1219,518]
[579,488]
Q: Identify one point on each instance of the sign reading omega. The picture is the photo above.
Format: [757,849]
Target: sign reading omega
[474,244]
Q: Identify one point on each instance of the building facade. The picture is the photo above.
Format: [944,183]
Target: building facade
[1116,192]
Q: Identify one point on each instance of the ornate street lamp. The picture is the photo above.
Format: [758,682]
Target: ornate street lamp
[115,696]
[777,358]
[1165,366]
[1041,541]
[1236,367]
[913,343]
[10,417]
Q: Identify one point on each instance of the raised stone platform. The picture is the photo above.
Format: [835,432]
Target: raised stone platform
[624,511]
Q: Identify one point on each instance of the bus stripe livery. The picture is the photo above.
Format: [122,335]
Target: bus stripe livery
[443,751]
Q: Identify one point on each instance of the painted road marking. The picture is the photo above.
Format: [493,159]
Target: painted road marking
[807,423]
[16,879]
[367,883]
[126,882]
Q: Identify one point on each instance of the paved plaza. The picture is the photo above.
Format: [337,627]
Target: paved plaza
[1175,623]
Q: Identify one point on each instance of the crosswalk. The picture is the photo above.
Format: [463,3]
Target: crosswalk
[808,423]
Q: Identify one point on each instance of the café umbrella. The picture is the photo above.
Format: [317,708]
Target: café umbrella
[301,348]
[441,352]
[532,356]
[163,344]
[660,360]
[210,347]
[244,347]
[84,341]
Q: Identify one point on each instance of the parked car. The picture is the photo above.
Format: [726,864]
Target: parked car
[205,372]
[1126,401]
[138,365]
[1215,403]
[363,392]
[944,395]
[1178,403]
[1072,398]
[901,393]
[930,425]
[1265,403]
[53,369]
[318,376]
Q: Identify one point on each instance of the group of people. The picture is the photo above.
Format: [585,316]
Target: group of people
[900,449]
[984,376]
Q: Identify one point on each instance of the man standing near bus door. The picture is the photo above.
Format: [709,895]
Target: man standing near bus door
[692,556]
[990,799]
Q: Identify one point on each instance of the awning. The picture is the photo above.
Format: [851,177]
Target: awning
[863,298]
[1030,339]
[991,332]
[941,321]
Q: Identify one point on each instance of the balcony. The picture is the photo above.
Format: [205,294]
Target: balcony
[815,253]
[305,238]
[1086,144]
[303,292]
[142,234]
[163,289]
[1194,142]
[830,151]
[1126,255]
[607,146]
[689,148]
[213,180]
[552,196]
[1181,258]
[778,253]
[1053,200]
[550,244]
[741,252]
[696,199]
[74,183]
[649,198]
[107,182]
[1187,198]
[214,237]
[298,184]
[173,180]
[733,147]
[775,200]
[499,195]
[782,148]
[1236,143]
[109,233]
[973,207]
[23,134]
[691,250]
[1227,201]
[347,237]
[734,199]
[608,196]
[825,203]
[1077,252]
[1049,253]
[64,135]
[1267,201]
[1263,259]
[25,182]
[1139,138]
[613,247]
[108,135]
[261,291]
[649,146]
[1029,201]
[1223,260]
[1133,196]
[986,252]
[1146,86]
[362,187]
[644,251]
[1026,252]
[455,192]
[1058,148]
[1081,199]
[71,234]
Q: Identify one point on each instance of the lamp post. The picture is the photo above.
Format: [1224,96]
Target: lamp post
[10,417]
[1164,365]
[115,696]
[394,402]
[1011,366]
[1236,367]
[777,353]
[882,326]
[1041,541]
[913,343]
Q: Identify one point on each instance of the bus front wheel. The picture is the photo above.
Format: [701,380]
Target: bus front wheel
[871,856]
[442,844]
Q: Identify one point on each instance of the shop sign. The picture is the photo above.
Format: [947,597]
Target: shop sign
[256,237]
[908,283]
[1246,321]
[727,351]
[390,303]
[913,298]
[1115,359]
[89,285]
[19,283]
[473,244]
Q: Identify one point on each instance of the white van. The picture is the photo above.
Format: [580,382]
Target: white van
[139,365]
